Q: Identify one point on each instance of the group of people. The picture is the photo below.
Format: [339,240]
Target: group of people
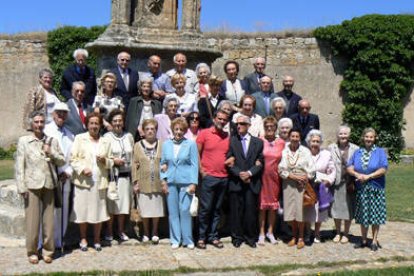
[162,138]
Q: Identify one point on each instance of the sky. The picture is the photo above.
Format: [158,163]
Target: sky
[230,15]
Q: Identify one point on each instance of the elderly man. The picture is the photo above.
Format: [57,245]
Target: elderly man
[304,120]
[180,63]
[253,79]
[264,97]
[159,83]
[77,109]
[58,131]
[126,78]
[244,183]
[79,71]
[291,98]
[36,158]
[213,145]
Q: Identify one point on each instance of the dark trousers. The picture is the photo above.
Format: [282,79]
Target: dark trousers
[243,216]
[211,197]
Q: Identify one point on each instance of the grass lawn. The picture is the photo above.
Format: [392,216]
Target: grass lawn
[392,271]
[399,189]
[6,169]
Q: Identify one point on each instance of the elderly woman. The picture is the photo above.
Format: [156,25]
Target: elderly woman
[233,89]
[107,98]
[208,105]
[278,105]
[368,165]
[269,194]
[193,121]
[91,161]
[325,177]
[284,126]
[164,120]
[248,104]
[188,102]
[36,156]
[296,168]
[343,187]
[146,179]
[122,144]
[41,98]
[141,108]
[179,182]
[202,87]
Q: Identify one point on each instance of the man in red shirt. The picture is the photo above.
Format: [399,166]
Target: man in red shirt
[213,145]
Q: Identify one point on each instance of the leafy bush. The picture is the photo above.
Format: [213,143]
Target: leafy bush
[7,153]
[379,74]
[63,41]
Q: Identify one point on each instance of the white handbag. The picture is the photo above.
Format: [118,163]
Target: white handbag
[194,206]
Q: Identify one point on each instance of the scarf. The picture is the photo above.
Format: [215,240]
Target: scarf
[366,155]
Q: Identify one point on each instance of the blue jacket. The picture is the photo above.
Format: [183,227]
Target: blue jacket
[184,168]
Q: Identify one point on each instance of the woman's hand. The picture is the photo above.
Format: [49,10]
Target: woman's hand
[164,186]
[136,187]
[119,162]
[191,189]
[164,168]
[87,172]
[101,159]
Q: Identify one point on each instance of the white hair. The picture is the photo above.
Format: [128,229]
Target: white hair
[278,100]
[259,58]
[201,65]
[175,56]
[80,51]
[283,121]
[171,98]
[245,118]
[341,127]
[314,132]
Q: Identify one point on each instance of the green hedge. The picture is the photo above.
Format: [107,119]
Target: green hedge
[63,41]
[379,74]
[7,153]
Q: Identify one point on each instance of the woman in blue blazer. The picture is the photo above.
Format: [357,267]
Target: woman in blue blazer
[179,174]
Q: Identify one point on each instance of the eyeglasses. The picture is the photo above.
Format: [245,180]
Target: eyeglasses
[124,59]
[242,124]
[194,118]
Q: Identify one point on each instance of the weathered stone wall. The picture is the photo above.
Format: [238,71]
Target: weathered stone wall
[317,76]
[20,62]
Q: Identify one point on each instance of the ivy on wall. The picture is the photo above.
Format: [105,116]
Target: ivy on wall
[63,41]
[379,74]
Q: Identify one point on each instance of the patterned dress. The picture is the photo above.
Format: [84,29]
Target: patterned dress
[269,194]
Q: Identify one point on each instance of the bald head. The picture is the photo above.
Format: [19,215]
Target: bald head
[265,83]
[154,64]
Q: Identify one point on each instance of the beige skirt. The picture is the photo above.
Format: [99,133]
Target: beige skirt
[151,205]
[89,205]
[292,201]
[121,206]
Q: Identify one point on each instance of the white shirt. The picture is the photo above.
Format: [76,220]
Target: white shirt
[234,91]
[189,84]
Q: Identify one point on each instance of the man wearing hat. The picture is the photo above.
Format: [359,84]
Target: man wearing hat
[65,137]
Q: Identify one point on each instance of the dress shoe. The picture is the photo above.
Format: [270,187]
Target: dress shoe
[97,247]
[292,242]
[361,245]
[252,244]
[301,244]
[374,247]
[33,259]
[237,243]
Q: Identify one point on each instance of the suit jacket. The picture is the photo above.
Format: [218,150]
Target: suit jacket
[260,104]
[134,114]
[245,163]
[252,83]
[206,120]
[73,121]
[70,75]
[32,169]
[182,169]
[82,154]
[293,103]
[132,90]
[311,122]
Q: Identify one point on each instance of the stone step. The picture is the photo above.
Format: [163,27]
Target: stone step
[9,195]
[12,222]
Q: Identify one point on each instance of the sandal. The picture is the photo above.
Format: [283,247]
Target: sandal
[33,259]
[201,244]
[217,244]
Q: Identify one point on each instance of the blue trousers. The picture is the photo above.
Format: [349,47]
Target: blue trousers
[178,202]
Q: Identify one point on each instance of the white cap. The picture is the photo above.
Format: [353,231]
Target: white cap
[61,107]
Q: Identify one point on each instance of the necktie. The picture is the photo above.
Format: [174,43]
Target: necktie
[244,145]
[81,114]
[125,78]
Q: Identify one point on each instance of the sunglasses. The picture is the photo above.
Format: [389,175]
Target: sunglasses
[194,118]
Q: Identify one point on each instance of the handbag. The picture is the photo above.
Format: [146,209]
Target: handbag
[135,216]
[309,195]
[112,192]
[194,206]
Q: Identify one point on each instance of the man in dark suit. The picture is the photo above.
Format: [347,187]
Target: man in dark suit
[304,120]
[79,71]
[291,98]
[264,97]
[244,183]
[126,78]
[253,79]
[75,121]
